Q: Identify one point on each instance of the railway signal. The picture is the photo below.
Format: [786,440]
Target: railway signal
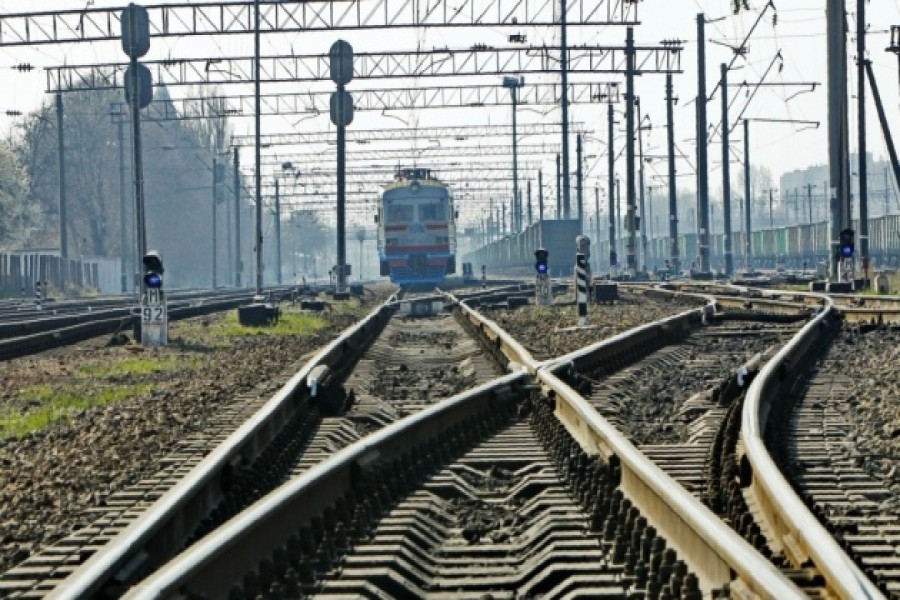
[153,269]
[846,246]
[154,315]
[540,261]
[543,297]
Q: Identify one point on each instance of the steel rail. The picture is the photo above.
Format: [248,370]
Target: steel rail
[802,536]
[95,324]
[626,340]
[518,356]
[271,520]
[200,490]
[714,551]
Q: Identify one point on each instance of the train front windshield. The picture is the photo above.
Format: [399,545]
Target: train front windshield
[432,212]
[399,213]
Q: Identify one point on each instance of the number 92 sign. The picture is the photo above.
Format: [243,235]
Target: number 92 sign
[153,314]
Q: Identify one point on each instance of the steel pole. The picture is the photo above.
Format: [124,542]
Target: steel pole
[837,115]
[630,192]
[674,252]
[611,183]
[123,241]
[702,170]
[61,153]
[645,222]
[341,204]
[237,219]
[215,194]
[256,78]
[277,232]
[558,188]
[726,174]
[540,195]
[579,189]
[863,167]
[530,218]
[564,101]
[748,243]
[138,166]
[512,91]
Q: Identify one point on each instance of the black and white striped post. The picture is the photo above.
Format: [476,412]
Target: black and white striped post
[38,295]
[581,288]
[583,246]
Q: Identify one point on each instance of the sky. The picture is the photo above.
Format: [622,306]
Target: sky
[799,35]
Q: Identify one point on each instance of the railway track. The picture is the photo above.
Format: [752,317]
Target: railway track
[840,468]
[545,490]
[351,388]
[417,504]
[22,336]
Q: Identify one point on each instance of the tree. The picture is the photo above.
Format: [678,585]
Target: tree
[15,214]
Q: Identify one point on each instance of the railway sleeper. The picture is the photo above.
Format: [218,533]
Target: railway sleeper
[394,535]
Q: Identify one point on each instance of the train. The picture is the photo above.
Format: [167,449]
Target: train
[416,228]
[805,246]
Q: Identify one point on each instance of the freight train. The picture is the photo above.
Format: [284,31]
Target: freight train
[792,247]
[416,229]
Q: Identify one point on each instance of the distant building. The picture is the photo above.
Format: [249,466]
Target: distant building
[794,190]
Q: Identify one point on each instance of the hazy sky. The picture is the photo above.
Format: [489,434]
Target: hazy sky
[799,35]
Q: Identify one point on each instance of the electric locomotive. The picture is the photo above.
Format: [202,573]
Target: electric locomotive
[416,230]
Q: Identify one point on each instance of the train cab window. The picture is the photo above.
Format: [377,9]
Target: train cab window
[399,213]
[432,212]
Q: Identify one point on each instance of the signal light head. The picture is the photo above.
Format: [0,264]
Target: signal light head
[846,245]
[153,269]
[540,258]
[153,280]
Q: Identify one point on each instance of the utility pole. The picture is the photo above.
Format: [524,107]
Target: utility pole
[541,196]
[771,214]
[530,219]
[564,100]
[862,167]
[229,262]
[597,212]
[631,218]
[648,222]
[748,237]
[215,197]
[613,259]
[702,174]
[839,175]
[809,187]
[278,234]
[726,174]
[237,219]
[644,221]
[514,83]
[257,146]
[579,189]
[559,214]
[61,153]
[123,243]
[674,253]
